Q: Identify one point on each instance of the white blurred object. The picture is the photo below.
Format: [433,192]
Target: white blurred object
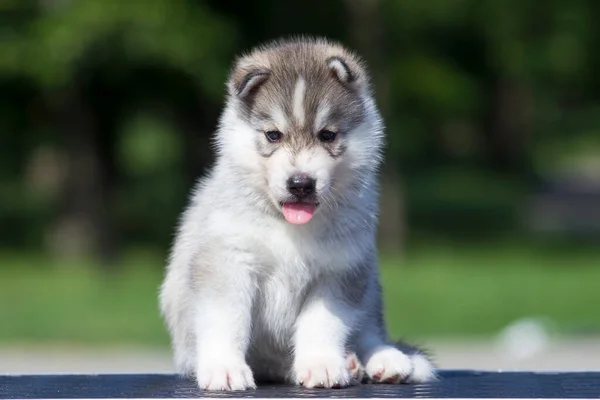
[524,338]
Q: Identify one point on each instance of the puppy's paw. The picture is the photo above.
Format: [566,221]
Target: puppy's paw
[387,364]
[321,371]
[224,375]
[357,371]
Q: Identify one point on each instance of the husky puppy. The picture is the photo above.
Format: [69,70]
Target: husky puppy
[273,275]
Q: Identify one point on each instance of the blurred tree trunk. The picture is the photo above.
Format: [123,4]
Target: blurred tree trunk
[84,226]
[197,126]
[508,132]
[107,233]
[367,35]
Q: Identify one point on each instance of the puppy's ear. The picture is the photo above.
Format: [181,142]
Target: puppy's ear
[246,82]
[340,70]
[349,72]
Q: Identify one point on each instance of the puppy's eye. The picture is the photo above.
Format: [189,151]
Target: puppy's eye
[327,136]
[273,136]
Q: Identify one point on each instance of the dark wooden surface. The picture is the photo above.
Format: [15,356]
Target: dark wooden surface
[453,384]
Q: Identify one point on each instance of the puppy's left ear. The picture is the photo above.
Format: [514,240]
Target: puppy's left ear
[347,72]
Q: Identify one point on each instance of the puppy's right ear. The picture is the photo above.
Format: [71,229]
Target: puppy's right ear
[245,82]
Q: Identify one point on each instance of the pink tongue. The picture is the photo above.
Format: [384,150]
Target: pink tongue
[298,213]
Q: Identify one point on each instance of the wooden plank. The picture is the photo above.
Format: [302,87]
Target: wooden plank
[459,384]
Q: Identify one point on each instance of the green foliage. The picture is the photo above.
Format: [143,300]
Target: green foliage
[147,145]
[52,45]
[481,97]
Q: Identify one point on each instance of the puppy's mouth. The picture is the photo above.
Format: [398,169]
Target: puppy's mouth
[299,212]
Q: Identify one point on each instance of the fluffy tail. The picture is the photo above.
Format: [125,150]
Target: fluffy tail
[423,364]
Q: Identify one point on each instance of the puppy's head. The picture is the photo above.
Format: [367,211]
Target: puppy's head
[301,125]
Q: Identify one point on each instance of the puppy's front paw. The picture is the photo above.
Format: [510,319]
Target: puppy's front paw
[225,374]
[389,365]
[357,371]
[321,371]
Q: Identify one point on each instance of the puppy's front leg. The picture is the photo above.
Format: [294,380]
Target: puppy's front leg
[322,330]
[222,328]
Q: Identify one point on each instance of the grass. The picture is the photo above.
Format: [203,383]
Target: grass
[434,292]
[51,301]
[477,292]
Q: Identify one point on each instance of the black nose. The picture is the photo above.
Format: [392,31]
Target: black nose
[301,185]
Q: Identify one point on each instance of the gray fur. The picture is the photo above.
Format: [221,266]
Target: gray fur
[281,64]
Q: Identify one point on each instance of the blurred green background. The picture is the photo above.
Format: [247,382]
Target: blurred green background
[491,186]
